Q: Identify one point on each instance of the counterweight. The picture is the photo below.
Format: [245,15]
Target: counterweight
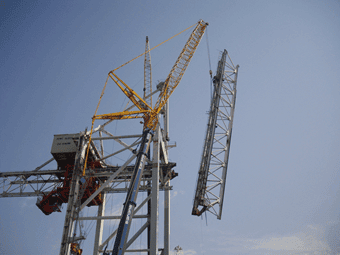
[213,168]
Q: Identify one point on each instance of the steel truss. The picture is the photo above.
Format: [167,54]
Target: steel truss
[113,179]
[151,172]
[212,173]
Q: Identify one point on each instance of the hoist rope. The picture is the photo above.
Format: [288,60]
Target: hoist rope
[152,48]
[93,118]
[210,71]
[202,239]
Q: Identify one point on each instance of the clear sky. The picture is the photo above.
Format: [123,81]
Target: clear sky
[282,195]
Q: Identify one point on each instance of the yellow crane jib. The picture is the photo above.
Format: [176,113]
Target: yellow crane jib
[145,111]
[180,65]
[144,108]
[170,84]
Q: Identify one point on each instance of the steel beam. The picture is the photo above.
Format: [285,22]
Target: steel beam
[155,192]
[71,211]
[99,226]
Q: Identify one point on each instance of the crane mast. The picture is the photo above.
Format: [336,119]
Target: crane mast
[212,173]
[151,121]
[147,74]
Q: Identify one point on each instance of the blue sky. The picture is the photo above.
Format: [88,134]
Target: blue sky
[282,195]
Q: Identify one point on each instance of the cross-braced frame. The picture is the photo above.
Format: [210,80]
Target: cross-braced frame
[212,173]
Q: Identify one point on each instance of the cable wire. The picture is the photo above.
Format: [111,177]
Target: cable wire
[210,71]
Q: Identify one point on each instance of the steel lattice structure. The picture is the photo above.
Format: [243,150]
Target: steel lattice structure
[147,74]
[212,173]
[85,177]
[113,179]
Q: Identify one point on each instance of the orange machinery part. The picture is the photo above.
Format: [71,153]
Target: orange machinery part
[75,250]
[53,201]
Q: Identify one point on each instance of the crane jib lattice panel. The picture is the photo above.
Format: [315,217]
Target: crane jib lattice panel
[212,173]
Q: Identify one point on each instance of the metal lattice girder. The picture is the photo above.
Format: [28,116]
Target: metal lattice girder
[41,182]
[145,111]
[155,176]
[73,200]
[130,203]
[147,74]
[32,184]
[179,68]
[213,168]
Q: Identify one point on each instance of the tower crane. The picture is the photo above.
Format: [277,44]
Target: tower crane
[212,173]
[84,177]
[150,116]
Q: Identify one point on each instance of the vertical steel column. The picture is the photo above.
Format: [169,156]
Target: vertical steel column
[167,189]
[155,194]
[130,201]
[99,227]
[149,227]
[226,155]
[167,219]
[71,211]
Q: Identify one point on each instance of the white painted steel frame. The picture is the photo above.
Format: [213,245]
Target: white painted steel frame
[212,173]
[152,219]
[160,144]
[39,182]
[73,202]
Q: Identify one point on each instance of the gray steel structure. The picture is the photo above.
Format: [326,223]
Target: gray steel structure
[113,179]
[212,173]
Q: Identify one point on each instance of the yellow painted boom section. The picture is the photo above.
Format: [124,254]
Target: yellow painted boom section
[149,114]
[130,93]
[177,71]
[122,115]
[151,49]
